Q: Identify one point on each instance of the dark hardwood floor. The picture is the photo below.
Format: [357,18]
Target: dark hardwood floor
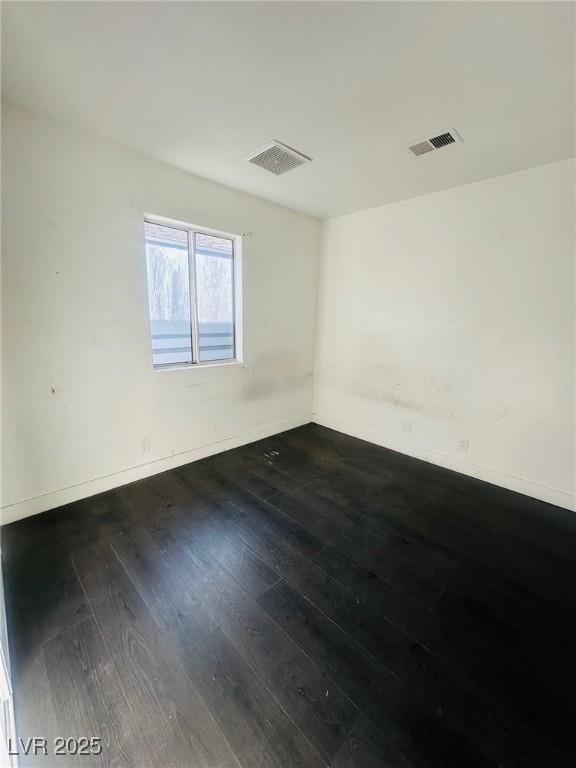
[308,600]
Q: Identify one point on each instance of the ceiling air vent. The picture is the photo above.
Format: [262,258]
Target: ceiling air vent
[422,148]
[436,142]
[277,158]
[443,140]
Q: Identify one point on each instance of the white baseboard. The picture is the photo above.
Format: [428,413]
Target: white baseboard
[511,482]
[32,506]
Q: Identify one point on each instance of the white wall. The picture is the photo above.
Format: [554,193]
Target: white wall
[453,315]
[75,318]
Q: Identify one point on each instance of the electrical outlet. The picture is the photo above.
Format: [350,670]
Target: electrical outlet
[463,444]
[144,445]
[407,427]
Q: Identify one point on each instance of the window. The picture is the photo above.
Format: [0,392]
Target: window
[194,294]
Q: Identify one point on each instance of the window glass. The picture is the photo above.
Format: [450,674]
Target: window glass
[215,297]
[169,294]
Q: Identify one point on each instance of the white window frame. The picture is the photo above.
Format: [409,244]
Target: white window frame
[192,230]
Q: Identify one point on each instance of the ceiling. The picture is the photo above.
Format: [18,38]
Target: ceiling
[201,85]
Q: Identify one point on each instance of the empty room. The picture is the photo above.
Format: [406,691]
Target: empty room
[288,429]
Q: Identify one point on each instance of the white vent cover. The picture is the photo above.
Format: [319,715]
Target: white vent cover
[422,148]
[277,158]
[436,142]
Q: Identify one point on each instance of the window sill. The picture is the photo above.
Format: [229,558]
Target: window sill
[192,366]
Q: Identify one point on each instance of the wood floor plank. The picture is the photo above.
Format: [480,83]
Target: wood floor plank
[174,608]
[453,715]
[34,709]
[432,524]
[487,506]
[367,747]
[370,610]
[323,713]
[88,699]
[517,568]
[285,527]
[218,539]
[521,636]
[362,620]
[306,600]
[260,732]
[544,524]
[179,728]
[415,732]
[178,610]
[282,468]
[460,648]
[281,459]
[42,601]
[266,480]
[250,476]
[423,578]
[380,618]
[216,481]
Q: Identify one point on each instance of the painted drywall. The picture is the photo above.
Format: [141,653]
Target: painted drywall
[450,317]
[444,317]
[351,85]
[79,390]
